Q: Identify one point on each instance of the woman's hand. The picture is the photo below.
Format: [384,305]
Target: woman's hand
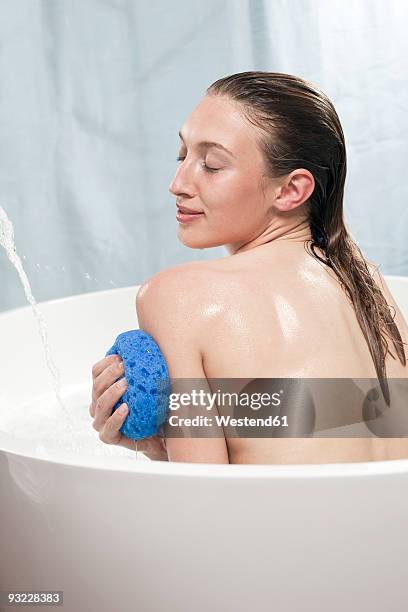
[106,391]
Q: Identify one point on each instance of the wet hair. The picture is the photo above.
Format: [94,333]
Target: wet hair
[298,127]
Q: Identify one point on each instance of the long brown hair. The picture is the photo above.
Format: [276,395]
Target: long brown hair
[300,128]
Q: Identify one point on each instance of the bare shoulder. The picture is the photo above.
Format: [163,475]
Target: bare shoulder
[181,300]
[184,284]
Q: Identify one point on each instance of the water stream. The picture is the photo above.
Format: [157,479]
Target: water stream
[7,242]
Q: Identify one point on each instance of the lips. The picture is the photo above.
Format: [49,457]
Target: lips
[185,218]
[188,211]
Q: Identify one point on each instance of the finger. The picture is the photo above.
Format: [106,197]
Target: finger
[99,366]
[113,424]
[105,403]
[110,433]
[107,377]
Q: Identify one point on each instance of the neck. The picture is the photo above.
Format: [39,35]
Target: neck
[297,232]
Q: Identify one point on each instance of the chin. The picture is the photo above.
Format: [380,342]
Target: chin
[195,241]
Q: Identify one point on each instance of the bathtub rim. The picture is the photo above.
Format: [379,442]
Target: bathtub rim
[19,448]
[73,297]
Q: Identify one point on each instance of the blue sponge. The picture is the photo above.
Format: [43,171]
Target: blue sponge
[148,388]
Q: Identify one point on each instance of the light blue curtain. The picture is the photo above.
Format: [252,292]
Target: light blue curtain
[93,92]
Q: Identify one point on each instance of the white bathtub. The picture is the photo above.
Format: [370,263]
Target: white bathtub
[116,534]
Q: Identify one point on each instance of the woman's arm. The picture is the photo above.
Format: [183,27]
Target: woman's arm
[169,308]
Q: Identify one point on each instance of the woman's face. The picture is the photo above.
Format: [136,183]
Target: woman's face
[223,182]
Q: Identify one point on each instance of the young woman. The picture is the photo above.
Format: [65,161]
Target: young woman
[262,172]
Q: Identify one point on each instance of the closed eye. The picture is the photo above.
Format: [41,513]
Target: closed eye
[206,168]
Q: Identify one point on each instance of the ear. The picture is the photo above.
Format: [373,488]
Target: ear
[296,189]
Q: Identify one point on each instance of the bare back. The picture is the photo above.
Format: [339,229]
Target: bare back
[277,312]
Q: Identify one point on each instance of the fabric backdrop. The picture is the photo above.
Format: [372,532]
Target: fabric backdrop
[93,93]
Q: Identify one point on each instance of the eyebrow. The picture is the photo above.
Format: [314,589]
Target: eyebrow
[208,143]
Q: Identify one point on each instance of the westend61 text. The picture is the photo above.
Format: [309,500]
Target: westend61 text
[227,421]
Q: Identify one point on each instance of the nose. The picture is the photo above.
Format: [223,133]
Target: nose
[173,187]
[181,183]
